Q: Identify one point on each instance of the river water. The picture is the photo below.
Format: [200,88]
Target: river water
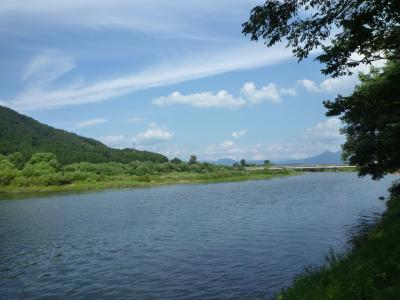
[211,241]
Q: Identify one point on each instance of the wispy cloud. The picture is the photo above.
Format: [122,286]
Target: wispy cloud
[47,67]
[90,122]
[135,120]
[166,18]
[163,74]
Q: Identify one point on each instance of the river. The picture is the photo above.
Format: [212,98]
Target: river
[206,241]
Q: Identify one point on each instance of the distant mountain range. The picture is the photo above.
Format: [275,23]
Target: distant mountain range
[224,162]
[19,133]
[326,157]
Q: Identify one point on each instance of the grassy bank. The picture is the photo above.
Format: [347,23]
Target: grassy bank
[125,181]
[370,271]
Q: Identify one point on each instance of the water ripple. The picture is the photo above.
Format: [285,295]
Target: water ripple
[219,241]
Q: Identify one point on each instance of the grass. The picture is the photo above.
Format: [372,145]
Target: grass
[370,271]
[126,181]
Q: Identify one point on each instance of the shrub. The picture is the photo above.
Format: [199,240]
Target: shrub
[142,170]
[45,157]
[7,171]
[395,188]
[195,168]
[38,169]
[17,160]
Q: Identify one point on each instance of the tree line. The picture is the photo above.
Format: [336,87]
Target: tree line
[45,169]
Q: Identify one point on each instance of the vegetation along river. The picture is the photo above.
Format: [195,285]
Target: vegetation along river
[211,241]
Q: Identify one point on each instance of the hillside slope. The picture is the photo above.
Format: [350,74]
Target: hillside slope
[19,133]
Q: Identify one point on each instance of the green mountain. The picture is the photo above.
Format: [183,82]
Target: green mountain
[19,133]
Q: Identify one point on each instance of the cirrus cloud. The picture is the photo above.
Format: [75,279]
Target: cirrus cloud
[90,122]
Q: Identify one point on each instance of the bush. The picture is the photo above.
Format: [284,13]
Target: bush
[7,171]
[17,160]
[195,168]
[142,170]
[38,169]
[395,188]
[45,157]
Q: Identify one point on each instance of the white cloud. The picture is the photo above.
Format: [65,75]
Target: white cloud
[324,136]
[238,134]
[118,140]
[174,71]
[224,147]
[47,67]
[249,94]
[342,84]
[268,93]
[90,122]
[326,130]
[150,139]
[335,85]
[309,85]
[154,134]
[288,91]
[207,99]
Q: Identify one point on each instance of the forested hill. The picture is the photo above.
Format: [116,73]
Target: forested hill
[19,133]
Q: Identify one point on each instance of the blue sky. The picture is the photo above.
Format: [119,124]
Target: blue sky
[176,77]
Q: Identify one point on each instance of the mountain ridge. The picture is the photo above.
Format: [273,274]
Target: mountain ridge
[21,133]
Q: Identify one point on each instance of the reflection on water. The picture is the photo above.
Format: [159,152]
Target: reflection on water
[216,241]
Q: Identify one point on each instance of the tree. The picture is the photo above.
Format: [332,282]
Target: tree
[372,117]
[341,28]
[176,160]
[7,171]
[243,162]
[17,160]
[41,164]
[349,33]
[266,162]
[192,160]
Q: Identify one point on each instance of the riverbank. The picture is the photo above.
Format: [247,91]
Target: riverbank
[370,271]
[127,181]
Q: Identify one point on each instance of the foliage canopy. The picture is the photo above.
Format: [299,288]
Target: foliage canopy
[341,28]
[349,33]
[372,121]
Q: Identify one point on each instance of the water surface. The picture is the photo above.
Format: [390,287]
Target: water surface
[213,241]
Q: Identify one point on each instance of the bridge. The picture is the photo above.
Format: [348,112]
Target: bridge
[305,168]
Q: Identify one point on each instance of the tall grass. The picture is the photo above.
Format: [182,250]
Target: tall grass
[370,271]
